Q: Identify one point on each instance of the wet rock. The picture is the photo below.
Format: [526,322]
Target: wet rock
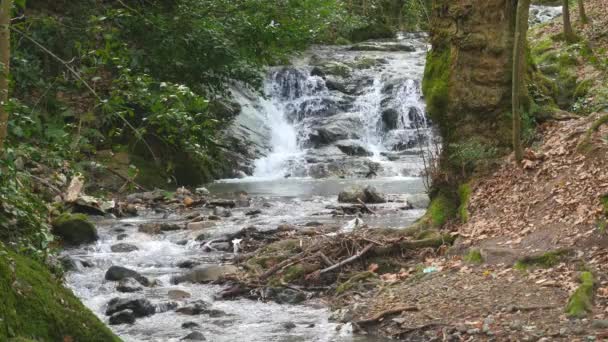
[74,229]
[339,127]
[69,264]
[178,295]
[202,191]
[313,224]
[285,296]
[195,308]
[215,313]
[221,212]
[200,225]
[205,274]
[181,242]
[267,205]
[140,307]
[158,228]
[117,273]
[242,200]
[388,47]
[128,285]
[190,325]
[123,248]
[288,325]
[369,194]
[194,336]
[126,316]
[253,212]
[188,264]
[223,203]
[353,148]
[214,218]
[122,236]
[167,306]
[343,315]
[390,119]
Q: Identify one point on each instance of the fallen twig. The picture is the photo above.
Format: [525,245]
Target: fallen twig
[366,207]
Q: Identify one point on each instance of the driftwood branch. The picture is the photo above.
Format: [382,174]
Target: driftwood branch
[370,211]
[348,260]
[126,179]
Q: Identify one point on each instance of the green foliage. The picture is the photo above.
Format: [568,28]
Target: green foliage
[474,257]
[544,260]
[35,305]
[354,281]
[441,210]
[471,154]
[580,303]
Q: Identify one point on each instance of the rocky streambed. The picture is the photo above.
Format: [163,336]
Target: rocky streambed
[163,275]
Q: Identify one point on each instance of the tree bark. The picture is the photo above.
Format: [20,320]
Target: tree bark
[518,86]
[5,54]
[582,13]
[568,32]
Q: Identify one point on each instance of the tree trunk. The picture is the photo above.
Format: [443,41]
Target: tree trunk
[581,11]
[5,51]
[518,86]
[568,32]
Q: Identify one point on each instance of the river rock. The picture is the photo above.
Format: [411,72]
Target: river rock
[126,316]
[123,248]
[158,228]
[188,264]
[253,212]
[194,336]
[117,273]
[200,225]
[122,236]
[388,47]
[166,306]
[178,294]
[74,229]
[285,296]
[140,307]
[190,325]
[339,127]
[369,194]
[221,212]
[390,119]
[205,274]
[223,203]
[353,148]
[288,325]
[202,191]
[242,200]
[128,285]
[195,308]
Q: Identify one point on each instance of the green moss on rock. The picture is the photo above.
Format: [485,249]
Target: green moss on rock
[74,229]
[353,281]
[474,257]
[35,306]
[580,303]
[435,84]
[544,260]
[441,210]
[464,192]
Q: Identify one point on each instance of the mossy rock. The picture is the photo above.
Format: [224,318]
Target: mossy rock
[544,260]
[435,84]
[354,281]
[34,306]
[372,31]
[464,192]
[580,303]
[74,229]
[441,210]
[474,257]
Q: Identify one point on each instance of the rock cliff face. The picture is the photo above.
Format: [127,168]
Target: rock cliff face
[468,74]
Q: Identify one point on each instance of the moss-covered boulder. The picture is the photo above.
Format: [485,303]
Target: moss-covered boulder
[35,306]
[75,229]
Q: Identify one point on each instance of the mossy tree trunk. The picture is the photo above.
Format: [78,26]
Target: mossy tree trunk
[521,32]
[569,35]
[5,54]
[582,13]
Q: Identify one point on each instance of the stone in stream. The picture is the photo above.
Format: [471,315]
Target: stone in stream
[195,308]
[117,273]
[200,225]
[190,325]
[126,316]
[223,203]
[194,336]
[205,274]
[288,325]
[167,306]
[253,212]
[122,236]
[353,148]
[158,228]
[178,294]
[74,229]
[285,296]
[221,212]
[202,191]
[123,248]
[128,285]
[140,307]
[369,194]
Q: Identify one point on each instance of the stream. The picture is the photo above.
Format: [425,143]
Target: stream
[339,117]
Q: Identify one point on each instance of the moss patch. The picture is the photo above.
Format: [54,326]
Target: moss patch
[474,257]
[353,281]
[34,305]
[441,210]
[580,303]
[464,192]
[74,229]
[435,84]
[544,260]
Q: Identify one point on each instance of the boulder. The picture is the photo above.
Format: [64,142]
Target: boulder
[205,274]
[140,307]
[123,248]
[200,225]
[221,212]
[190,325]
[369,194]
[126,316]
[188,264]
[353,148]
[340,127]
[128,285]
[153,228]
[390,119]
[178,294]
[195,308]
[194,336]
[253,212]
[285,295]
[74,229]
[117,273]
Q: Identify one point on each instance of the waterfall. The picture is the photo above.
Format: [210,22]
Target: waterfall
[351,112]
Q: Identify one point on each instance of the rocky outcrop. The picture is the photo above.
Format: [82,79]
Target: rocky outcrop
[74,229]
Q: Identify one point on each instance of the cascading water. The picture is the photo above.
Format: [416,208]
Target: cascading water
[347,112]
